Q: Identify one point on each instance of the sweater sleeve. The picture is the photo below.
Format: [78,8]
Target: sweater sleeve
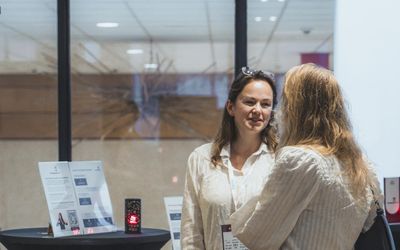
[191,221]
[377,195]
[266,224]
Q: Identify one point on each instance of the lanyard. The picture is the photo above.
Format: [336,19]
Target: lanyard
[234,183]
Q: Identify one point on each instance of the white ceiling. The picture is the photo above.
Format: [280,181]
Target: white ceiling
[180,35]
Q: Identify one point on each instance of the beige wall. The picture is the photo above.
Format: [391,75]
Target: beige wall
[23,202]
[133,168]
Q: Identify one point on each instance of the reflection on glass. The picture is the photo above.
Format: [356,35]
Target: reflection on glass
[28,77]
[160,71]
[147,91]
[28,108]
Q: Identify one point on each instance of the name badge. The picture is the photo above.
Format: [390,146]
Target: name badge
[229,241]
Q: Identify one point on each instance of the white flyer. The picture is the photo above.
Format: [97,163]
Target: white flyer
[173,207]
[392,195]
[77,197]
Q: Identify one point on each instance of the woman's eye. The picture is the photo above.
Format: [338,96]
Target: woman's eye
[266,105]
[250,103]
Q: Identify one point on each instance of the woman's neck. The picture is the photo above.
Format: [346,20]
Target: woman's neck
[242,148]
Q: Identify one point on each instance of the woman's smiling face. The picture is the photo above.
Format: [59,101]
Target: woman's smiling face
[253,107]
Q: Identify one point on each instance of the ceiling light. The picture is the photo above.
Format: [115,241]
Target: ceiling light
[107,25]
[150,65]
[134,51]
[281,1]
[258,19]
[272,18]
[264,1]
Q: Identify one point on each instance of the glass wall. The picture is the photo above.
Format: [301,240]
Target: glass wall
[150,81]
[28,108]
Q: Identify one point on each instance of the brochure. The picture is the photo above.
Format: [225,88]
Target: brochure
[173,207]
[77,197]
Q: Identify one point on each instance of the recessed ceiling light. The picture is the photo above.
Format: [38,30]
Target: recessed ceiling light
[134,51]
[150,65]
[107,25]
[264,1]
[272,18]
[281,0]
[258,19]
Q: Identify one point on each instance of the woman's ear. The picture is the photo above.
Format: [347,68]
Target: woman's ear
[229,107]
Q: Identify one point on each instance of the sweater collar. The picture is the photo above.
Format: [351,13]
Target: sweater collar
[226,150]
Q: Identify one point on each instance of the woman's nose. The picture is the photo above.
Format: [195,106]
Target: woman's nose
[257,108]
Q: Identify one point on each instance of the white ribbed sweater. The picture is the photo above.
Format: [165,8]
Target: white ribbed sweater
[305,205]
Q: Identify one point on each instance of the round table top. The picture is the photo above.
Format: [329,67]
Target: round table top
[40,236]
[395,227]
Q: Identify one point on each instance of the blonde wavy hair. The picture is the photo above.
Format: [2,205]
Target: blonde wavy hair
[314,115]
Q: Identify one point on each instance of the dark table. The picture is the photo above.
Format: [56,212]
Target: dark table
[395,228]
[37,238]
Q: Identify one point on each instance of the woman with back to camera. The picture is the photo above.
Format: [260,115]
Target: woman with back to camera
[320,193]
[224,174]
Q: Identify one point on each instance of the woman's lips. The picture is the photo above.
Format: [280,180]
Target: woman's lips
[255,120]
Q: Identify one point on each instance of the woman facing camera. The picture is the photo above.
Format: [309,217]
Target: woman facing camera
[319,193]
[223,175]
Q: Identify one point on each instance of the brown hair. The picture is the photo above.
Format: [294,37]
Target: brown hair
[314,114]
[227,131]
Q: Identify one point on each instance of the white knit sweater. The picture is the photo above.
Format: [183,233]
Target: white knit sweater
[305,205]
